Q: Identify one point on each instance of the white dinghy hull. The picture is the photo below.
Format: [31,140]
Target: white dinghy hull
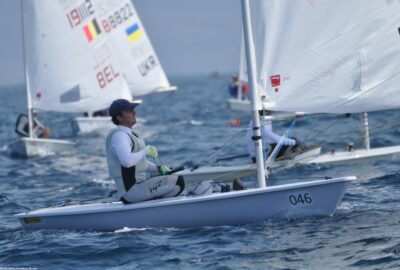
[239,104]
[31,147]
[84,125]
[358,156]
[314,198]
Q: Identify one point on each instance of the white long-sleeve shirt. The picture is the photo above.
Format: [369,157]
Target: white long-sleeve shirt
[268,137]
[121,147]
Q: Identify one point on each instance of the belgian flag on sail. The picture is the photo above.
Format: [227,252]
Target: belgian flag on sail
[92,30]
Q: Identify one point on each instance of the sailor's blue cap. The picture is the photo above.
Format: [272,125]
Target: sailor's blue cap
[120,105]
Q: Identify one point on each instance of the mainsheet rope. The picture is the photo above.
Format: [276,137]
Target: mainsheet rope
[224,147]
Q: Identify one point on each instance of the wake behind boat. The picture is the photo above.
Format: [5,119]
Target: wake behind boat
[314,198]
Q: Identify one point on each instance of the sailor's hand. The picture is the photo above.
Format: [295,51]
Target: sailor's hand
[151,151]
[164,170]
[295,141]
[298,146]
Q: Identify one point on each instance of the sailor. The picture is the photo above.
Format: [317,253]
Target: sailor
[235,85]
[270,138]
[38,129]
[136,178]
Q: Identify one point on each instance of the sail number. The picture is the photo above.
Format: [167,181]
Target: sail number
[117,18]
[106,76]
[79,14]
[300,199]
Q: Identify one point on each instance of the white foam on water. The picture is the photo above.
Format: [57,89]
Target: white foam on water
[196,122]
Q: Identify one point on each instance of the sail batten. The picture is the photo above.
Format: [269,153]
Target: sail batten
[327,56]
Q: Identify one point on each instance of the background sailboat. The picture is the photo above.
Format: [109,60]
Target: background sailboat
[131,45]
[339,68]
[346,65]
[69,65]
[241,103]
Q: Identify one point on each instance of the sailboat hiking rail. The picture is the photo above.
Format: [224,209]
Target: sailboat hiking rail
[309,198]
[130,44]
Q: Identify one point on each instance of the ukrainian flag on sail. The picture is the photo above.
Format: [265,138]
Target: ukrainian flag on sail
[134,32]
[92,30]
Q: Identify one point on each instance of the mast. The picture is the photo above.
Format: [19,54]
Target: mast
[251,71]
[27,84]
[241,66]
[365,135]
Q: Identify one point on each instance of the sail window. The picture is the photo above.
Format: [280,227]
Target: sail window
[72,95]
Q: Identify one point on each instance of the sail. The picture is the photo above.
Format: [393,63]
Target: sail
[242,63]
[69,60]
[331,56]
[141,66]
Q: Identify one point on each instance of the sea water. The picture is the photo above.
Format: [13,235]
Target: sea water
[188,127]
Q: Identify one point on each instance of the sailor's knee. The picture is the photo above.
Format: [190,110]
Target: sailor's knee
[46,133]
[181,183]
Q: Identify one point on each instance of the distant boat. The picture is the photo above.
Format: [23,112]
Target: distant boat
[215,74]
[135,54]
[240,103]
[311,198]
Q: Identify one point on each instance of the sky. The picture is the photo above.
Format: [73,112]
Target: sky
[189,36]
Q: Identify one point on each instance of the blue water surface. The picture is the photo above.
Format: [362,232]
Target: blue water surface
[187,127]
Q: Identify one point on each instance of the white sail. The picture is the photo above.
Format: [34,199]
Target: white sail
[142,69]
[242,63]
[71,64]
[329,56]
[240,102]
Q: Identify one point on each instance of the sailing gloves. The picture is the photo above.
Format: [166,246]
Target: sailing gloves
[164,170]
[151,151]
